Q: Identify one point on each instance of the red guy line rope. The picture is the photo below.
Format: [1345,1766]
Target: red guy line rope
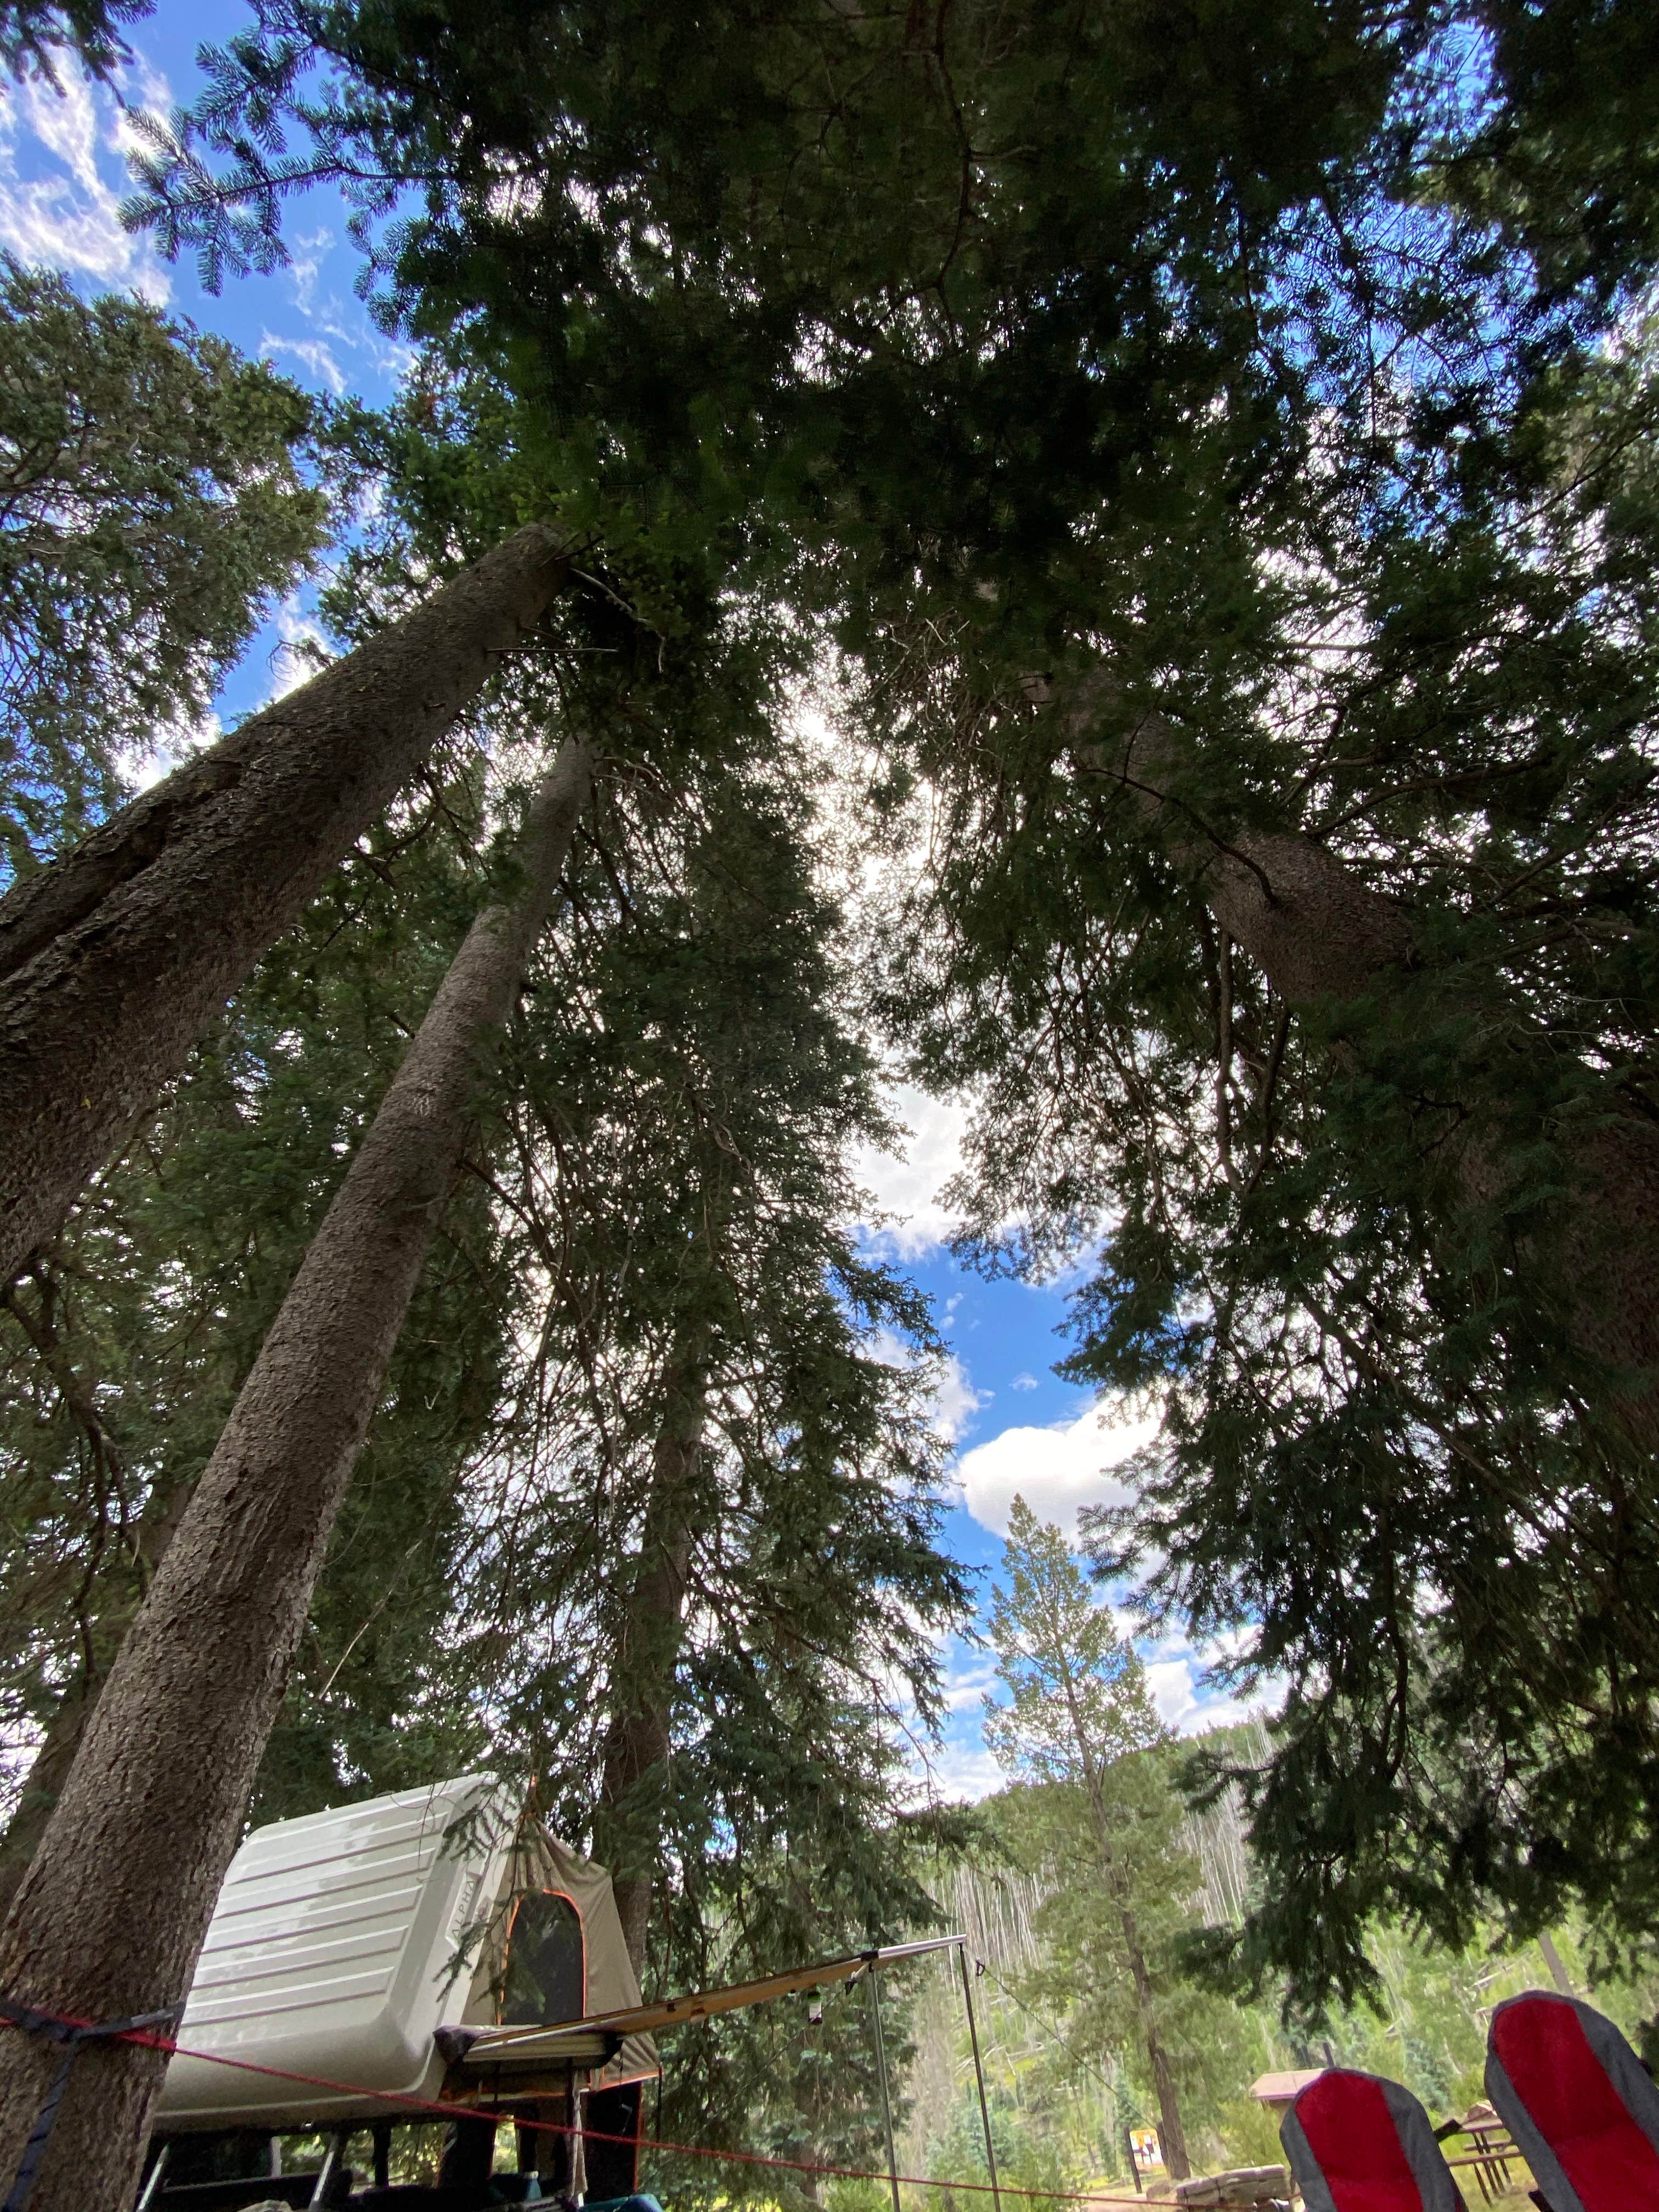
[150,2041]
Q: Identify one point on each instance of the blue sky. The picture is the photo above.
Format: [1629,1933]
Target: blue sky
[1014,1426]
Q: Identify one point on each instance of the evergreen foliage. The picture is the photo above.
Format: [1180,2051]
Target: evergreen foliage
[662,1162]
[1066,2096]
[682,1094]
[1077,1700]
[1079,1726]
[1218,446]
[156,492]
[35,34]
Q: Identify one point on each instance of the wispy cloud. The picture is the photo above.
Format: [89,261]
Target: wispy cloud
[300,642]
[1188,1705]
[956,1772]
[957,1400]
[62,174]
[313,353]
[307,250]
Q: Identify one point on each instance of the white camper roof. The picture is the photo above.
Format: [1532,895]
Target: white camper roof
[342,1941]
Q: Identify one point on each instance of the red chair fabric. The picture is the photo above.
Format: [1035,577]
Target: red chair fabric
[1574,2095]
[1358,2143]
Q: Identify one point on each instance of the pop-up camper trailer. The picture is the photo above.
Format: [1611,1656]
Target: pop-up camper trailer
[435,1957]
[358,1959]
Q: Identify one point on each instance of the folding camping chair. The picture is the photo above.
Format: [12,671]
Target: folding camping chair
[1358,2143]
[1584,2111]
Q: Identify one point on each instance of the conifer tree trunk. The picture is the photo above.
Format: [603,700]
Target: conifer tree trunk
[152,1533]
[113,960]
[50,1768]
[110,1919]
[48,1772]
[1316,933]
[1171,2133]
[648,1651]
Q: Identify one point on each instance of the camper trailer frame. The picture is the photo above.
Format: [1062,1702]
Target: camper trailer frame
[371,1968]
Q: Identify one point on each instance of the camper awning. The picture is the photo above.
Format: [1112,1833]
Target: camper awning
[574,2041]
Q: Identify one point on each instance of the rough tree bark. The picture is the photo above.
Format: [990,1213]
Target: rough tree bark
[1318,932]
[1171,2133]
[112,960]
[647,1652]
[109,1918]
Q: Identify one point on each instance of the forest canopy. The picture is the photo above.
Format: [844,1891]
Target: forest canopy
[1099,560]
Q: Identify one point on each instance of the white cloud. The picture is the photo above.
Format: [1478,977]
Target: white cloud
[146,86]
[312,353]
[1186,1701]
[307,250]
[1184,1704]
[293,662]
[337,328]
[970,1674]
[906,1184]
[169,744]
[63,175]
[959,1766]
[1024,1382]
[1055,1470]
[956,1772]
[956,1401]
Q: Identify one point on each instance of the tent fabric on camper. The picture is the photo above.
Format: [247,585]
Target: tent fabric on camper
[527,1972]
[344,1941]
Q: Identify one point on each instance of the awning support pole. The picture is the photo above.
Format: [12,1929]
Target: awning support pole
[332,2160]
[153,2179]
[881,2076]
[979,2077]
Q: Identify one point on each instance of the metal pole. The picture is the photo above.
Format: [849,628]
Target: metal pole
[153,2180]
[1552,1961]
[881,2073]
[323,2188]
[979,2076]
